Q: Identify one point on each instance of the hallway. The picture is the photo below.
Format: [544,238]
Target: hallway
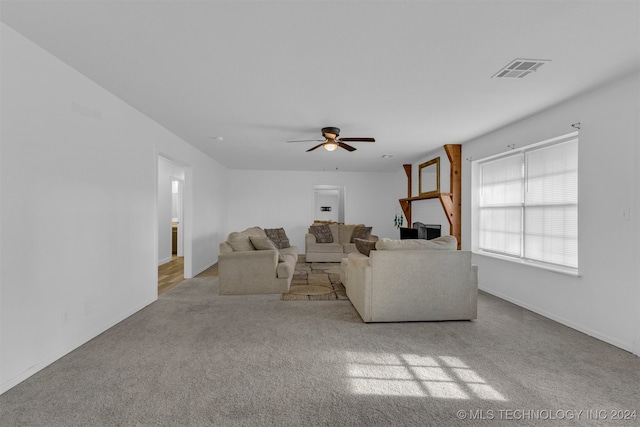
[170,274]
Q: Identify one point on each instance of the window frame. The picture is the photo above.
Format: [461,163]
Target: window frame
[477,187]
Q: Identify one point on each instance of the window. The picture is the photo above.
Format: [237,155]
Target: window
[528,204]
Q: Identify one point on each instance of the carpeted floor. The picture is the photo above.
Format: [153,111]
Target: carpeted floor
[194,358]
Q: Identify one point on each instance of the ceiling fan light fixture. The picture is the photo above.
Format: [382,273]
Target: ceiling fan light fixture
[330,146]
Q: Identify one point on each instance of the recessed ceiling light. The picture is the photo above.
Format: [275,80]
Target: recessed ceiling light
[387,156]
[519,68]
[217,138]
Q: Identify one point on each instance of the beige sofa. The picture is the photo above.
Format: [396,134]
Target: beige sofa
[341,246]
[420,280]
[249,263]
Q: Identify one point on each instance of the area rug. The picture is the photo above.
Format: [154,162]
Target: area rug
[316,282]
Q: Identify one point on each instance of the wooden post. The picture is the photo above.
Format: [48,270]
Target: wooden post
[406,205]
[454,209]
[407,170]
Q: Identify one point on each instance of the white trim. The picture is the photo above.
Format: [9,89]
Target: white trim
[578,327]
[163,261]
[477,185]
[205,268]
[557,139]
[531,263]
[636,246]
[187,213]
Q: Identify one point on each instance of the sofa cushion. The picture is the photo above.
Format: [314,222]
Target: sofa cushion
[335,232]
[255,231]
[360,232]
[286,267]
[265,244]
[322,233]
[344,233]
[291,250]
[448,243]
[326,248]
[365,246]
[347,248]
[278,236]
[240,241]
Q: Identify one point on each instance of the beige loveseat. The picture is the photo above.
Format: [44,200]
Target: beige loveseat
[250,263]
[341,245]
[412,280]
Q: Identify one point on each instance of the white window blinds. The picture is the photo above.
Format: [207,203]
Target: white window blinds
[528,204]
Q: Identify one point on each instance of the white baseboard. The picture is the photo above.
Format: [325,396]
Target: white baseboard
[195,273]
[164,261]
[580,328]
[49,359]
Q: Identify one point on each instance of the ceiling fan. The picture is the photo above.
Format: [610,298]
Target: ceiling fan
[331,140]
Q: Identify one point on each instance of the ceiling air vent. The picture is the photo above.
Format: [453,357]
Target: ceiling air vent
[519,68]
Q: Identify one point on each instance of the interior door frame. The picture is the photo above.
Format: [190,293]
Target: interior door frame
[180,182]
[187,213]
[342,196]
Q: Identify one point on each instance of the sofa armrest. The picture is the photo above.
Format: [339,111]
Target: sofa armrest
[225,247]
[246,269]
[359,286]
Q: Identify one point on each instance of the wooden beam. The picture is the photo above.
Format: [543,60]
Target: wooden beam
[454,153]
[446,200]
[406,209]
[407,170]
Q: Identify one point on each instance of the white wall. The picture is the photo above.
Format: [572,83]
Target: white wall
[272,199]
[78,247]
[601,302]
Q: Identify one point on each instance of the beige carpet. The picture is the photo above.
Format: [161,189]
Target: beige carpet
[195,358]
[316,282]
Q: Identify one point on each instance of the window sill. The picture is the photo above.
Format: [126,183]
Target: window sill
[556,269]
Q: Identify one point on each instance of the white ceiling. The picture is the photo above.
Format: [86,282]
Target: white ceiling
[413,74]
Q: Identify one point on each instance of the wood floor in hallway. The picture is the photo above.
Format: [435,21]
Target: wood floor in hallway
[172,273]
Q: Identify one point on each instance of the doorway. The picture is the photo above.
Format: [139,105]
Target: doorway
[177,217]
[173,242]
[328,203]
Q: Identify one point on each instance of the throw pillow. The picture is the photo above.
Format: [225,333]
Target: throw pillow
[262,243]
[265,244]
[239,242]
[322,233]
[360,232]
[365,246]
[278,237]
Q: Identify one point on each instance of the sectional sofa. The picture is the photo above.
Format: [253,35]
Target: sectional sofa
[412,280]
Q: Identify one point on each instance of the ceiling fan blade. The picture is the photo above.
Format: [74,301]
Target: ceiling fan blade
[308,140]
[317,146]
[346,146]
[358,139]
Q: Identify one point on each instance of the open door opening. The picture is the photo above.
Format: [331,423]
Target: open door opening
[172,260]
[328,203]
